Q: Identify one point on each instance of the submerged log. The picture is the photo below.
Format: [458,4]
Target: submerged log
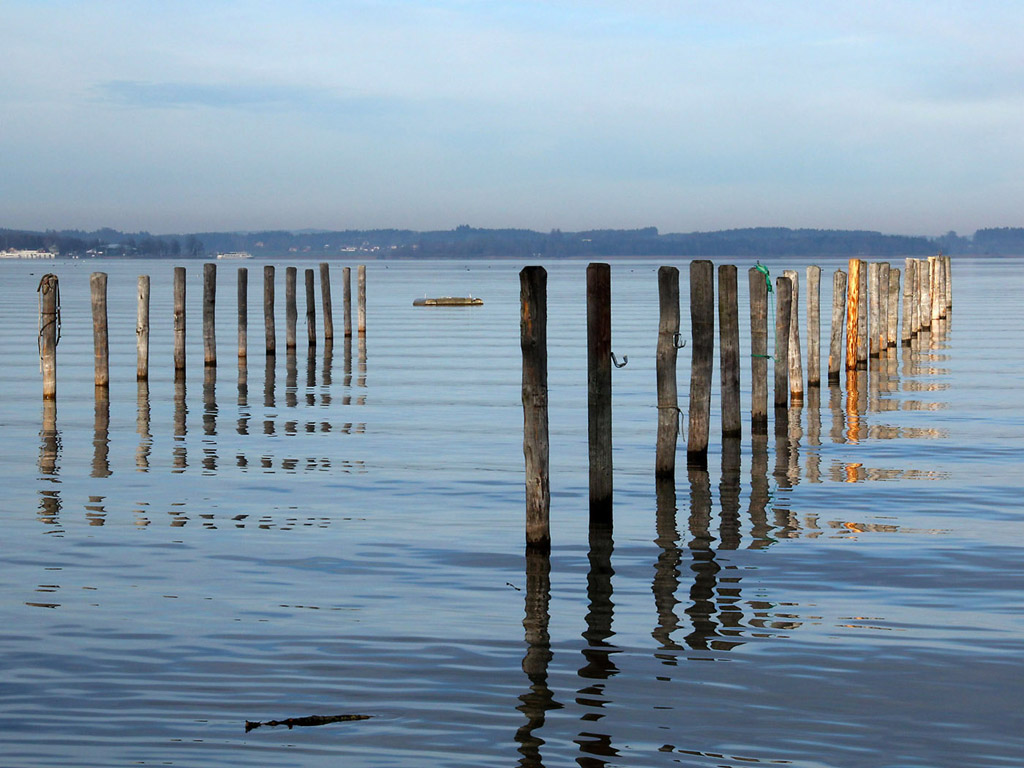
[291,722]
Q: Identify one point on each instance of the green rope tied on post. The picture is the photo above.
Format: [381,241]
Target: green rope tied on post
[771,294]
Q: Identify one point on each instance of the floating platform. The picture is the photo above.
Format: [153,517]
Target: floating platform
[449,301]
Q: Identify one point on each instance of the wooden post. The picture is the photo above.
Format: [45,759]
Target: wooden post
[894,307]
[179,322]
[938,288]
[325,299]
[101,347]
[852,316]
[796,369]
[702,350]
[883,307]
[949,283]
[665,366]
[361,279]
[243,313]
[533,325]
[290,310]
[209,314]
[783,320]
[759,286]
[599,391]
[813,326]
[269,324]
[924,277]
[49,327]
[862,320]
[142,331]
[873,313]
[835,346]
[346,293]
[310,308]
[907,327]
[729,350]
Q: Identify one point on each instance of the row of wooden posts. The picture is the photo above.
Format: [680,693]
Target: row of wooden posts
[867,310]
[49,320]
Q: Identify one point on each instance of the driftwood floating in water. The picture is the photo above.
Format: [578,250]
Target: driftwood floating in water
[291,722]
[448,301]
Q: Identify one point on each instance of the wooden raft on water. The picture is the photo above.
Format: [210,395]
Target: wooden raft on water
[448,301]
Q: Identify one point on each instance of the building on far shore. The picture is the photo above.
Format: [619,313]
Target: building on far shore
[14,253]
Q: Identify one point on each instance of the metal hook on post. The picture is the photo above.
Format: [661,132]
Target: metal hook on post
[676,337]
[617,364]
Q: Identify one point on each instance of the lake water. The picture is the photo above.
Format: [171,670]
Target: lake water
[343,535]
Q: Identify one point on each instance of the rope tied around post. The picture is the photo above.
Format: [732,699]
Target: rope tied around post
[48,283]
[771,297]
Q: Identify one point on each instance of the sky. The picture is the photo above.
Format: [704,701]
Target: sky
[188,116]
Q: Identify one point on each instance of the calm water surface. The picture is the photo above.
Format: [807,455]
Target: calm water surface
[341,532]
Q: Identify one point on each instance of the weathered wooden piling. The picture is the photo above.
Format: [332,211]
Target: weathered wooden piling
[783,320]
[882,327]
[291,312]
[862,319]
[892,335]
[101,346]
[599,391]
[873,314]
[813,326]
[310,308]
[346,294]
[533,338]
[924,279]
[759,287]
[49,328]
[949,283]
[907,329]
[835,345]
[269,323]
[729,350]
[361,280]
[243,313]
[179,322]
[210,314]
[702,350]
[796,369]
[938,288]
[325,300]
[665,368]
[852,314]
[142,331]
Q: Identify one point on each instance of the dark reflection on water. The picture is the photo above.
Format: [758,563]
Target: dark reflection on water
[101,434]
[209,419]
[598,651]
[539,699]
[666,571]
[179,453]
[142,427]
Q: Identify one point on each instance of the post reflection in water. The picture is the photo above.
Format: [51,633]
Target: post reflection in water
[539,699]
[666,571]
[325,376]
[179,454]
[49,453]
[813,472]
[702,562]
[759,492]
[269,395]
[291,380]
[210,418]
[142,420]
[244,414]
[101,434]
[729,492]
[598,651]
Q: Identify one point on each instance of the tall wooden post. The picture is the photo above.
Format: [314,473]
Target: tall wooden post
[873,314]
[243,313]
[361,280]
[702,350]
[835,347]
[892,337]
[49,325]
[346,293]
[209,314]
[599,391]
[759,286]
[852,314]
[907,327]
[862,320]
[729,350]
[142,331]
[665,367]
[938,289]
[883,308]
[179,322]
[269,324]
[949,283]
[813,326]
[924,278]
[101,347]
[796,369]
[310,308]
[291,312]
[533,323]
[325,299]
[783,320]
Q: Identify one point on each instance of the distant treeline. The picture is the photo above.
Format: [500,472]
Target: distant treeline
[466,242]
